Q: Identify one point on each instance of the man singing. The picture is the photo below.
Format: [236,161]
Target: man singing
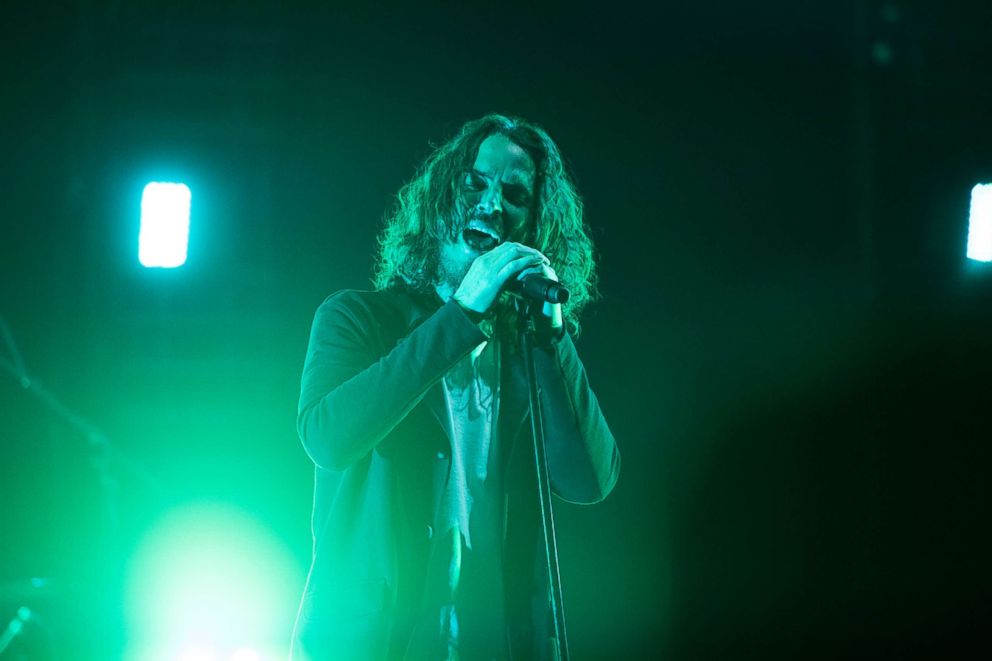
[413,408]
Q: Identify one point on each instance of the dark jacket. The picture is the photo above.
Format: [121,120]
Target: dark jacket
[372,418]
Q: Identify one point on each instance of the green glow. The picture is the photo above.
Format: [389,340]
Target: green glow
[209,583]
[164,234]
[980,224]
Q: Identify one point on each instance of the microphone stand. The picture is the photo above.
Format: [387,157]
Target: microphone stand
[104,455]
[106,460]
[529,341]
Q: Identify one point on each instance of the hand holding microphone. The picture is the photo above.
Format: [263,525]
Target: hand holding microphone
[516,268]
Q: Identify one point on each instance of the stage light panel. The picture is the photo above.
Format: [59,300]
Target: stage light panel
[980,224]
[164,233]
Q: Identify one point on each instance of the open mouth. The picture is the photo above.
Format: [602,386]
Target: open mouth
[480,238]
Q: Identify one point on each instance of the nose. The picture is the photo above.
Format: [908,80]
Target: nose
[491,202]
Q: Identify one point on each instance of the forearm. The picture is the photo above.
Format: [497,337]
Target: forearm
[582,454]
[351,400]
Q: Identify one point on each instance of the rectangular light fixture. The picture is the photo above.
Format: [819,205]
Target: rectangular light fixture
[980,224]
[164,234]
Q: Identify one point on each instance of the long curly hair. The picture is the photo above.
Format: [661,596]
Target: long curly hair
[425,214]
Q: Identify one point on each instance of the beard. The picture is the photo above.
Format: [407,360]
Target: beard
[452,262]
[451,267]
[457,252]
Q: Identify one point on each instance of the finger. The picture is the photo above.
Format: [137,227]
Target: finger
[517,265]
[540,269]
[527,250]
[500,257]
[538,253]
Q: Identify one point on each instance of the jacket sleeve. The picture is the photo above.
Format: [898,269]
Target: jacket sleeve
[583,458]
[350,397]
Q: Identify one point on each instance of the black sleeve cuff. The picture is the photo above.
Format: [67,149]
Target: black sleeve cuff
[476,317]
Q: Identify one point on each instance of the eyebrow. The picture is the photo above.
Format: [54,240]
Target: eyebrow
[516,178]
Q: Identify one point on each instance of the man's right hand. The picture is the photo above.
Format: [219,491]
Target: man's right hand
[490,272]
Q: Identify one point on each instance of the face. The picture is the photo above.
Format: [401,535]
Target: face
[494,205]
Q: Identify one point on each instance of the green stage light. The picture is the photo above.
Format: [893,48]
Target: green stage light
[980,224]
[164,234]
[209,583]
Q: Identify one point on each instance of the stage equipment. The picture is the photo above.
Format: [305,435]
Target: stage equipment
[980,224]
[164,235]
[528,338]
[539,288]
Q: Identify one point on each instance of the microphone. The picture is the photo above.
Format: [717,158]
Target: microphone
[538,288]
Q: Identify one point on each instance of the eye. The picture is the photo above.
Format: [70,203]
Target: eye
[473,182]
[516,195]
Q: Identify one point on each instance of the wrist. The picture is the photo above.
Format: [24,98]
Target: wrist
[475,316]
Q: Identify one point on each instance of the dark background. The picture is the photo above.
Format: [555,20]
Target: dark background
[792,349]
